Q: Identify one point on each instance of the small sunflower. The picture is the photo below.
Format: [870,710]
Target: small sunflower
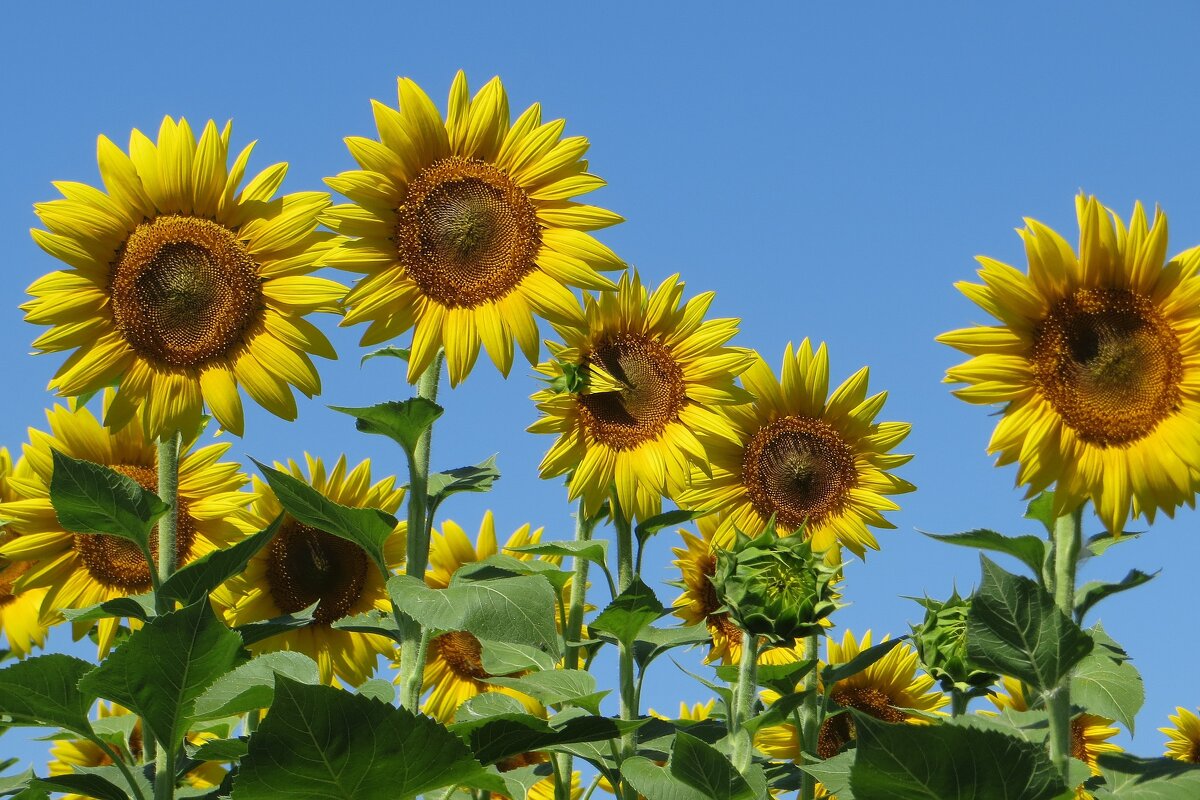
[80,570]
[696,712]
[454,670]
[68,754]
[19,611]
[1095,363]
[651,374]
[304,565]
[1184,739]
[465,227]
[814,464]
[181,286]
[1089,732]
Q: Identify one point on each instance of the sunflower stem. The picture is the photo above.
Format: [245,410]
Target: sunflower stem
[628,683]
[809,717]
[573,633]
[168,492]
[1068,536]
[164,773]
[743,701]
[958,702]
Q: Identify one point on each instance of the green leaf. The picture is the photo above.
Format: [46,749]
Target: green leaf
[1029,550]
[43,690]
[701,766]
[378,689]
[935,762]
[220,750]
[1093,592]
[402,422]
[1014,628]
[253,632]
[496,738]
[1096,545]
[160,670]
[390,352]
[557,686]
[380,623]
[629,613]
[648,527]
[1131,778]
[321,743]
[12,784]
[836,672]
[90,498]
[594,550]
[504,658]
[1105,683]
[86,784]
[834,774]
[477,478]
[140,607]
[252,685]
[520,781]
[488,704]
[369,528]
[194,581]
[517,610]
[652,642]
[1041,509]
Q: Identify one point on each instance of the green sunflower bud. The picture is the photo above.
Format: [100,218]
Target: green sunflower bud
[941,641]
[775,587]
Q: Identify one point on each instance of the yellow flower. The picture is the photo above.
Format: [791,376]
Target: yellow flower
[1184,739]
[651,374]
[19,611]
[1089,732]
[80,570]
[1095,362]
[817,465]
[465,227]
[182,287]
[71,753]
[696,712]
[304,565]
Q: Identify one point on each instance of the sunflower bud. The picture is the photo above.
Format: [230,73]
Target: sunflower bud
[941,641]
[775,586]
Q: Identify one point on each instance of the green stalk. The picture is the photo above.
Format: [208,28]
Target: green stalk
[808,717]
[628,683]
[164,773]
[1068,536]
[958,702]
[120,764]
[414,641]
[168,491]
[743,701]
[573,632]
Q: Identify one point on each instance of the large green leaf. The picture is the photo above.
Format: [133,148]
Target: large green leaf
[90,498]
[139,607]
[403,422]
[495,738]
[937,762]
[1131,778]
[252,632]
[1014,628]
[379,623]
[476,478]
[252,685]
[160,670]
[322,743]
[1093,592]
[43,690]
[704,768]
[1105,683]
[103,783]
[1029,550]
[557,686]
[594,550]
[194,581]
[629,613]
[834,774]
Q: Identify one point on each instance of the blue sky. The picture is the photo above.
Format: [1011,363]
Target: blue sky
[829,170]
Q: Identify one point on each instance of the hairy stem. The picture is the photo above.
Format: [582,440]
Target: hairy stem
[1068,535]
[808,715]
[573,633]
[743,701]
[168,492]
[628,682]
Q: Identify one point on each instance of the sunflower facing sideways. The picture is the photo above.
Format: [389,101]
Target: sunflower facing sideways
[632,389]
[20,614]
[80,570]
[1184,738]
[816,464]
[182,287]
[1095,363]
[465,227]
[302,565]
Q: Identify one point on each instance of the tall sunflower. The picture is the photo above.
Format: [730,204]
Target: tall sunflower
[181,286]
[80,570]
[1183,740]
[1095,363]
[19,611]
[303,565]
[815,464]
[465,227]
[649,376]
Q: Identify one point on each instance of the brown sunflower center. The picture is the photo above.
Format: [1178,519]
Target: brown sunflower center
[1078,742]
[651,396]
[463,653]
[838,731]
[117,563]
[184,290]
[306,565]
[1109,363]
[9,574]
[466,233]
[799,469]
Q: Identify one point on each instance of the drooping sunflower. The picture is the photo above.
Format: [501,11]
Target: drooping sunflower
[454,670]
[1089,732]
[303,565]
[68,754]
[816,465]
[80,570]
[649,376]
[465,227]
[181,286]
[19,611]
[1183,740]
[1095,361]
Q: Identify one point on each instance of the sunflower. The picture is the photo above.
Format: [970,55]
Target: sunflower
[1089,732]
[816,465]
[1095,362]
[454,664]
[304,565]
[650,375]
[81,570]
[68,754]
[696,712]
[465,228]
[19,611]
[182,287]
[1184,738]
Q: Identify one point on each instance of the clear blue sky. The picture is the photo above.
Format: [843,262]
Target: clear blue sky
[830,170]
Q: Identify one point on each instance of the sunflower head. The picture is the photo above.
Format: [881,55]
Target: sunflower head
[464,227]
[1092,361]
[1183,738]
[941,641]
[183,286]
